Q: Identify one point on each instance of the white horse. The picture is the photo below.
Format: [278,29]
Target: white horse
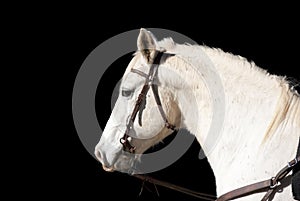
[259,132]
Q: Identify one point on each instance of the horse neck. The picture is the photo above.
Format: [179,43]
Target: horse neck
[256,105]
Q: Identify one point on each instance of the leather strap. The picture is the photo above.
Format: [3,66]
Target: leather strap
[275,181]
[160,108]
[296,177]
[246,190]
[270,184]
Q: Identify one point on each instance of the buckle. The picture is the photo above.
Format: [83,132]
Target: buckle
[274,183]
[292,163]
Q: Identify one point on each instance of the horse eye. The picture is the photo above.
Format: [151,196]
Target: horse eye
[126,93]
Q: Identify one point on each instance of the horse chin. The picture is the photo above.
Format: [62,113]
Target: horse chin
[126,164]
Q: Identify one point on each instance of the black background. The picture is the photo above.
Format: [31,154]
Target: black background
[263,35]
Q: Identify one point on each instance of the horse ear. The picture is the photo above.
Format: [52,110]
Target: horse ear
[147,44]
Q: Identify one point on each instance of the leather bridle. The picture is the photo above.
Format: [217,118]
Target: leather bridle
[141,102]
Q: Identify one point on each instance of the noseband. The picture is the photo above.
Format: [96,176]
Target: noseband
[141,102]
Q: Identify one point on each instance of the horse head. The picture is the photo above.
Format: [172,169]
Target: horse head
[143,95]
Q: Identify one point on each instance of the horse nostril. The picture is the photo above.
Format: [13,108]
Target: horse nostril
[103,161]
[98,155]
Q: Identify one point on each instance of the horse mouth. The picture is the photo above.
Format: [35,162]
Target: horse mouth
[108,169]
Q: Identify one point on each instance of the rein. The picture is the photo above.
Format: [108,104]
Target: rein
[174,187]
[269,185]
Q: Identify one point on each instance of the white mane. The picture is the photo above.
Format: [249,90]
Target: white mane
[236,70]
[240,64]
